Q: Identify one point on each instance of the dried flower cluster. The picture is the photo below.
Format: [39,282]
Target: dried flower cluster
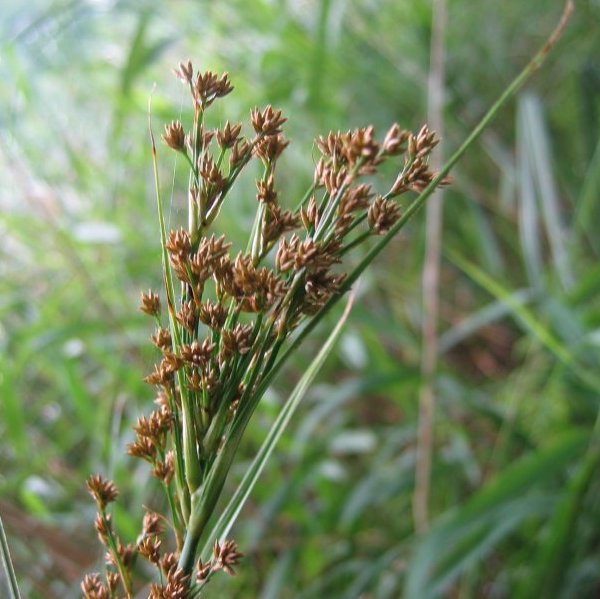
[228,316]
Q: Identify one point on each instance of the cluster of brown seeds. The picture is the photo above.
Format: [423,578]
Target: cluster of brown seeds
[227,316]
[121,559]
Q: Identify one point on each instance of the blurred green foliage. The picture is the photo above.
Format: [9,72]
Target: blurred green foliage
[516,468]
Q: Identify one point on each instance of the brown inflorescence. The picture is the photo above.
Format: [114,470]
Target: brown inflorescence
[230,313]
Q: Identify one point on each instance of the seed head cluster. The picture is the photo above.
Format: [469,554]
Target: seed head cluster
[225,316]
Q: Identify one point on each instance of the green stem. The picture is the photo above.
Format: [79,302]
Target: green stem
[13,587]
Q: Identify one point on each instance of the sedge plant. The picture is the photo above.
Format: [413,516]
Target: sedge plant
[226,324]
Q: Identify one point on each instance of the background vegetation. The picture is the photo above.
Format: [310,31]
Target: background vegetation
[515,487]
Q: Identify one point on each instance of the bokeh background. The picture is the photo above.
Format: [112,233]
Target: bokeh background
[515,488]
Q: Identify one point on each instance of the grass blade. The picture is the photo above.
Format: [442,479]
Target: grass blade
[467,534]
[528,319]
[529,227]
[587,201]
[235,505]
[537,148]
[9,571]
[555,553]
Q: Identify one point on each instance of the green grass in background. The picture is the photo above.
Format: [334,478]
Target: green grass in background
[515,475]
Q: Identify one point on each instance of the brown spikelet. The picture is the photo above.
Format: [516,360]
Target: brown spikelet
[198,354]
[149,548]
[212,315]
[395,141]
[208,87]
[92,588]
[185,72]
[144,448]
[226,556]
[102,525]
[355,199]
[174,136]
[162,339]
[168,562]
[278,222]
[150,303]
[227,136]
[102,490]
[240,154]
[127,554]
[267,122]
[179,243]
[270,148]
[152,524]
[165,469]
[266,190]
[236,341]
[382,215]
[310,214]
[187,316]
[202,571]
[112,580]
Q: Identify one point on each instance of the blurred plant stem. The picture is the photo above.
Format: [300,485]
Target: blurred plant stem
[9,572]
[430,279]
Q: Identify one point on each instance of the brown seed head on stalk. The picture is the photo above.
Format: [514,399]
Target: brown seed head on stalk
[360,145]
[270,148]
[127,554]
[236,341]
[150,303]
[102,490]
[165,469]
[93,588]
[198,354]
[422,144]
[185,72]
[355,199]
[382,215]
[395,141]
[168,562]
[267,122]
[212,315]
[278,222]
[187,316]
[331,146]
[144,448]
[240,154]
[202,571]
[152,524]
[102,524]
[310,214]
[266,190]
[174,136]
[177,584]
[149,548]
[162,339]
[112,580]
[319,287]
[208,87]
[227,136]
[211,174]
[156,426]
[162,374]
[179,243]
[226,556]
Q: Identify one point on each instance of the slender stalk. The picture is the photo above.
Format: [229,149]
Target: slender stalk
[9,571]
[430,280]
